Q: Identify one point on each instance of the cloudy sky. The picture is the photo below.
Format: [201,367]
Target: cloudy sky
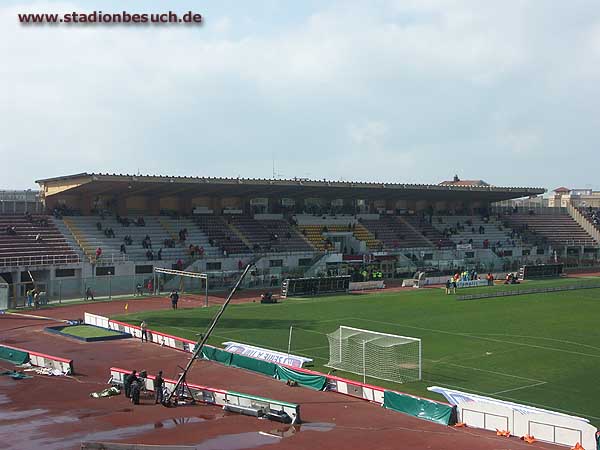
[388,90]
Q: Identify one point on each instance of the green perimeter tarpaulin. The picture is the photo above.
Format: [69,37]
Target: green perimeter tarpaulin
[418,407]
[216,354]
[13,356]
[317,382]
[255,365]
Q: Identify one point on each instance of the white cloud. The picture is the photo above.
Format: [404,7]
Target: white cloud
[440,77]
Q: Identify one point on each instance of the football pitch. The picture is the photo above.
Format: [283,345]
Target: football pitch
[539,349]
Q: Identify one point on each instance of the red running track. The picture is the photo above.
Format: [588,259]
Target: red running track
[56,413]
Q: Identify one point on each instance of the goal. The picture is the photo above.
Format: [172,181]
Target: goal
[376,355]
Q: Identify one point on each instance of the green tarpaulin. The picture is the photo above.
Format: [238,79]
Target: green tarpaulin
[418,407]
[14,356]
[317,382]
[216,354]
[256,365]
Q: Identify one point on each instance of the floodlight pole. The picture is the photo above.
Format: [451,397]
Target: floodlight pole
[204,338]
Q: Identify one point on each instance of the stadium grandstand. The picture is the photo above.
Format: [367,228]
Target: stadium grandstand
[109,231]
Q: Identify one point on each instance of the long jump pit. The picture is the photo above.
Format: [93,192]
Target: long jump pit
[57,413]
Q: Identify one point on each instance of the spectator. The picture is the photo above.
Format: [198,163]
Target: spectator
[89,294]
[159,254]
[123,249]
[98,253]
[38,238]
[99,226]
[149,255]
[179,264]
[240,265]
[141,222]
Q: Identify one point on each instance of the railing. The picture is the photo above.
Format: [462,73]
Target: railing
[584,222]
[42,260]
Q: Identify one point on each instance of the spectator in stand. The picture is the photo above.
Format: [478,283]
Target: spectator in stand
[179,264]
[240,265]
[159,254]
[98,253]
[123,249]
[150,255]
[141,222]
[99,226]
[201,251]
[38,238]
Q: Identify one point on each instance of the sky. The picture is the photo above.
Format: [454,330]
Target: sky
[409,91]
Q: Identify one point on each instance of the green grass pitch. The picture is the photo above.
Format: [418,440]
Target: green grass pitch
[87,331]
[539,349]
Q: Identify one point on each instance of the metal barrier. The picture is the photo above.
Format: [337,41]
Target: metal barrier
[41,260]
[510,293]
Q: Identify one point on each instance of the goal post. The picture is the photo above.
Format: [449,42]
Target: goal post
[182,274]
[373,354]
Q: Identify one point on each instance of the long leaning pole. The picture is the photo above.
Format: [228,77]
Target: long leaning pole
[203,339]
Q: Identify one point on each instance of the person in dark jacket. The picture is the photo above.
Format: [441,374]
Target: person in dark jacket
[127,381]
[159,384]
[136,387]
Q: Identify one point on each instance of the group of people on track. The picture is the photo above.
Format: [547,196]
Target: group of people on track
[134,384]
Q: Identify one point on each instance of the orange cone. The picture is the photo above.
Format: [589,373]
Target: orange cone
[529,439]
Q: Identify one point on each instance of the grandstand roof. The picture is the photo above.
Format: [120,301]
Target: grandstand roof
[100,184]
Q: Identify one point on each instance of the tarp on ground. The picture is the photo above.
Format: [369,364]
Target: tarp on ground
[255,365]
[216,354]
[13,356]
[418,407]
[317,382]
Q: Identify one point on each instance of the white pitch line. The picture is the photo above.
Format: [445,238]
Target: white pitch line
[473,336]
[538,337]
[519,388]
[492,371]
[310,348]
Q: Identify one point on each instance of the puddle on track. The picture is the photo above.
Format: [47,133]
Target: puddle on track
[6,416]
[238,441]
[39,439]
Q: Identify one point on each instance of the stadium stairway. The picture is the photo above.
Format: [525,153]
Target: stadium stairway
[66,232]
[395,233]
[316,235]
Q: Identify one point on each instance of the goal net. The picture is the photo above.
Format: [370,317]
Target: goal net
[376,355]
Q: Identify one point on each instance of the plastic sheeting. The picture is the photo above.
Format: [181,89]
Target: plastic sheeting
[418,407]
[317,382]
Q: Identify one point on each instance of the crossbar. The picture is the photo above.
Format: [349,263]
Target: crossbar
[182,273]
[380,334]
